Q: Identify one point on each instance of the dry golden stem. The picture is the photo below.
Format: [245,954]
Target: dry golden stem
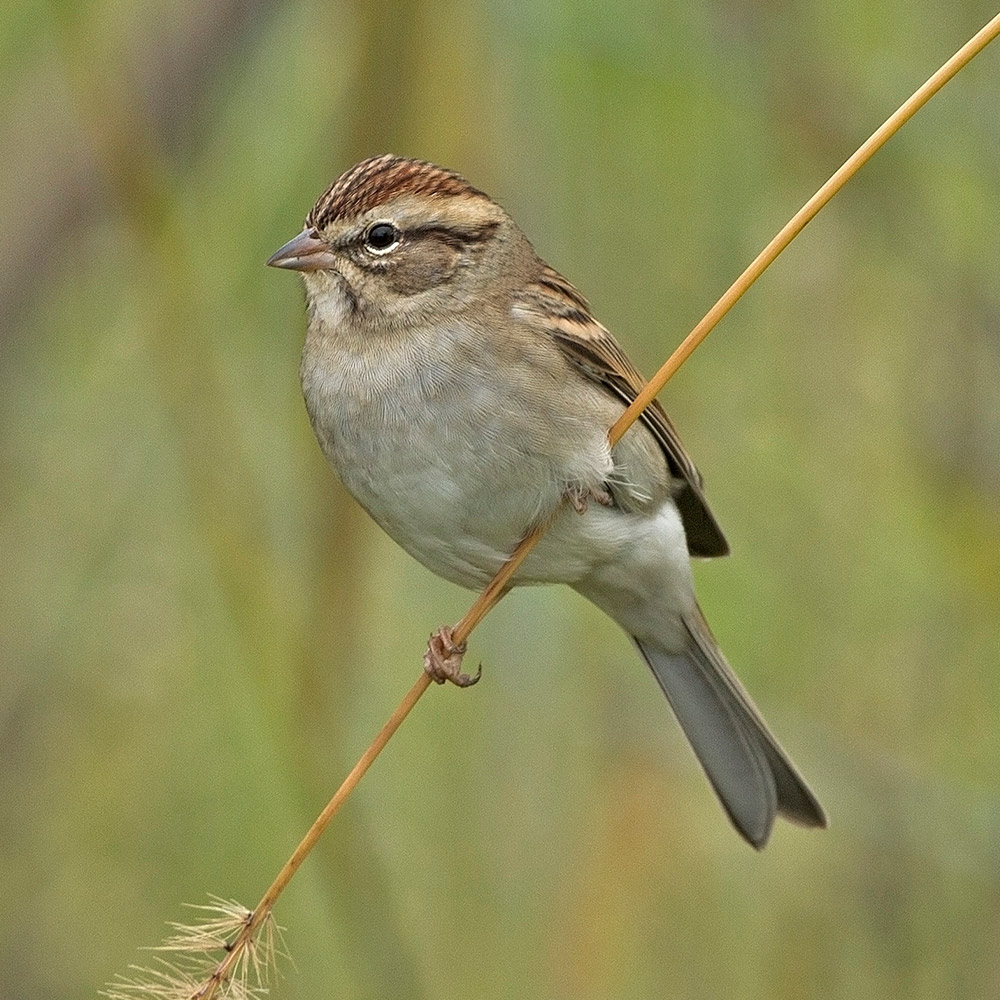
[498,586]
[500,583]
[801,219]
[263,909]
[215,983]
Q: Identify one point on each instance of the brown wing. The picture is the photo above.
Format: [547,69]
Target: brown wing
[593,350]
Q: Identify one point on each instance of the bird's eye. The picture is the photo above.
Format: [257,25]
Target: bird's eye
[381,237]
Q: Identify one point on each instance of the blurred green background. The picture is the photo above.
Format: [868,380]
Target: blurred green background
[199,631]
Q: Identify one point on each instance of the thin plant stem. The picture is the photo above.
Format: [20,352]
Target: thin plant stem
[801,219]
[498,586]
[256,919]
[500,583]
[262,911]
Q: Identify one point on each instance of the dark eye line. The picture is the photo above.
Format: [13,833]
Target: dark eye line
[457,236]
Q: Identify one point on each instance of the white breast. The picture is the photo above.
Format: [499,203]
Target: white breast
[444,454]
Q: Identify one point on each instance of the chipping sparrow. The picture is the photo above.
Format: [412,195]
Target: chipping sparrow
[462,390]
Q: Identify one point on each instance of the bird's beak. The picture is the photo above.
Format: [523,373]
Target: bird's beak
[306,252]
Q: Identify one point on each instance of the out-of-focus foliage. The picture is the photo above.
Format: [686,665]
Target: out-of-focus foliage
[199,631]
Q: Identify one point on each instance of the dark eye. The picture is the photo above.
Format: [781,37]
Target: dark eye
[381,237]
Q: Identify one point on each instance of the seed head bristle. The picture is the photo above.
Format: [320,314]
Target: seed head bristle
[217,957]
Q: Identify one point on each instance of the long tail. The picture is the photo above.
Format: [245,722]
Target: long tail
[751,774]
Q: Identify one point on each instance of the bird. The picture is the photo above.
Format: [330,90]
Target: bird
[462,390]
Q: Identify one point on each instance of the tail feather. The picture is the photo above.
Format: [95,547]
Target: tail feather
[751,774]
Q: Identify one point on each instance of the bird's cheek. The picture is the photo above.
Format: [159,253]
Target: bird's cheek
[432,267]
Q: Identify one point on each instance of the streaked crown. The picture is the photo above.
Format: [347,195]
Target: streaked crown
[377,180]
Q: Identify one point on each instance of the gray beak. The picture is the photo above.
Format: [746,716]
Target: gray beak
[306,252]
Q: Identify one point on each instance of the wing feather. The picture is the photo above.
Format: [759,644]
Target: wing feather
[592,350]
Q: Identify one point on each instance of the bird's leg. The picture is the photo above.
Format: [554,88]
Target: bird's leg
[578,496]
[443,660]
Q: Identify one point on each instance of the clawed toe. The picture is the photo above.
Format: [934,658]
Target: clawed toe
[443,660]
[579,495]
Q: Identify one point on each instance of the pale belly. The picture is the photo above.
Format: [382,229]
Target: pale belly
[457,500]
[454,477]
[457,480]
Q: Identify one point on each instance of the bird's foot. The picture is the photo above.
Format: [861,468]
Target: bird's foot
[443,660]
[579,495]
